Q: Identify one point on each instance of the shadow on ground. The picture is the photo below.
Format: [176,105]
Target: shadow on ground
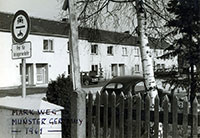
[18,91]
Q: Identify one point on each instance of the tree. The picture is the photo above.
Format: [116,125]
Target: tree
[112,9]
[121,16]
[59,92]
[100,13]
[145,52]
[186,31]
[186,26]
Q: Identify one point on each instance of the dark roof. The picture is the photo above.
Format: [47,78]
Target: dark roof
[38,26]
[61,29]
[102,36]
[157,43]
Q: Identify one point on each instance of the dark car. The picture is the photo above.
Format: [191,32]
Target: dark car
[89,78]
[124,84]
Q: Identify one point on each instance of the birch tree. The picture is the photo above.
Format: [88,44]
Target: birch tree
[146,21]
[147,63]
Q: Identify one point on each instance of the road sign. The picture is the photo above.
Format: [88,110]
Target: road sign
[20,26]
[21,50]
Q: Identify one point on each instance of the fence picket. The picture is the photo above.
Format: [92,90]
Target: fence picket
[174,117]
[130,115]
[156,116]
[147,116]
[194,119]
[185,118]
[97,115]
[165,116]
[105,115]
[90,106]
[138,116]
[121,116]
[113,117]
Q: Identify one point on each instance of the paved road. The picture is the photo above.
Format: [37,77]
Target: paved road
[18,91]
[42,90]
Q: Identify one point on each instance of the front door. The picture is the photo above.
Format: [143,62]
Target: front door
[114,70]
[41,74]
[121,69]
[29,73]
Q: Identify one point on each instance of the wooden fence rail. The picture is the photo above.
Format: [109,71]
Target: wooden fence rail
[111,117]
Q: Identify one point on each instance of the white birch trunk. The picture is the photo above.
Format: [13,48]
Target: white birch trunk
[146,56]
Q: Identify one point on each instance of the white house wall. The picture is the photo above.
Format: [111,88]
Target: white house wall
[87,59]
[57,61]
[169,63]
[84,56]
[9,69]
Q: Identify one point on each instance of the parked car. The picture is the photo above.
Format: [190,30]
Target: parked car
[89,78]
[124,84]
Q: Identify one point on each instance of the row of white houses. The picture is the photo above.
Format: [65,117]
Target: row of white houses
[109,53]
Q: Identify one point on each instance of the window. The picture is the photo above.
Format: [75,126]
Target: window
[163,66]
[42,73]
[94,68]
[161,52]
[119,86]
[121,69]
[68,69]
[94,49]
[137,68]
[114,70]
[158,66]
[156,53]
[137,51]
[111,86]
[68,46]
[139,87]
[110,50]
[29,73]
[48,45]
[124,51]
[114,86]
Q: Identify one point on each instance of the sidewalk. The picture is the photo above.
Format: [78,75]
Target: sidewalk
[17,91]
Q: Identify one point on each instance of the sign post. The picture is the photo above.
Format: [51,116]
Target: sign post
[21,50]
[23,77]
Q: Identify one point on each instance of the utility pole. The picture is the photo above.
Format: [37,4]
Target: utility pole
[78,101]
[73,43]
[146,56]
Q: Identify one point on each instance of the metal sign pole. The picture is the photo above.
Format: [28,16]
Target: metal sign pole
[20,50]
[23,77]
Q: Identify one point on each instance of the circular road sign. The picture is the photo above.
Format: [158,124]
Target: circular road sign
[20,26]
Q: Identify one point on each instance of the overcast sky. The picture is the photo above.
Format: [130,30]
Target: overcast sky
[48,9]
[52,9]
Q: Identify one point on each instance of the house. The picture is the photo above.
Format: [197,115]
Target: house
[108,53]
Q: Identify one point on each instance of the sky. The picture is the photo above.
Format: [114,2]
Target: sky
[52,10]
[48,9]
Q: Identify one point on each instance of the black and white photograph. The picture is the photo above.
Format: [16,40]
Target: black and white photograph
[100,68]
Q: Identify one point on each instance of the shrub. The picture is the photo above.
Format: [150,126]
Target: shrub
[59,92]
